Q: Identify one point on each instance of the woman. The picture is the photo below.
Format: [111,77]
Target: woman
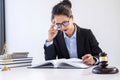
[67,40]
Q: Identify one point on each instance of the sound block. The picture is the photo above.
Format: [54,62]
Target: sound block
[106,70]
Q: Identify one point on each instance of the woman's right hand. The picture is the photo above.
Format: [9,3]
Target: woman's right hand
[52,33]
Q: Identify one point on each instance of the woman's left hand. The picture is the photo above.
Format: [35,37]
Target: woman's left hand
[88,59]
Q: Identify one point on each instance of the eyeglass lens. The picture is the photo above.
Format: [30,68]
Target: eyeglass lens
[65,23]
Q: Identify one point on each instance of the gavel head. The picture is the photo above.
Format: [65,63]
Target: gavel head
[103,59]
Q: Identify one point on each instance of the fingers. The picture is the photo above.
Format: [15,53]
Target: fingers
[88,59]
[51,30]
[52,33]
[53,27]
[86,56]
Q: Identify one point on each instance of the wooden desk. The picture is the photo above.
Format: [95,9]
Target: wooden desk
[55,74]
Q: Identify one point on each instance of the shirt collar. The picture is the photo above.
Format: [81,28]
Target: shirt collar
[73,36]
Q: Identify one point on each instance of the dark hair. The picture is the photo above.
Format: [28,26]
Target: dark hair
[62,8]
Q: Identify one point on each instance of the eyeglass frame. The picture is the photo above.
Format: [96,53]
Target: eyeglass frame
[59,25]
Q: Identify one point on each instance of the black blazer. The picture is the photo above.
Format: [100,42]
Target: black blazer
[86,43]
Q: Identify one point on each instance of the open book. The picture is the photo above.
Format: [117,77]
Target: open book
[72,63]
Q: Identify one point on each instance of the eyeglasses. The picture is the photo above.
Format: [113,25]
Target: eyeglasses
[59,25]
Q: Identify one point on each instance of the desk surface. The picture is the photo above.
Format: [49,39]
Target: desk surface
[55,74]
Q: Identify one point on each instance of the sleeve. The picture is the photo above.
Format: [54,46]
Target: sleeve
[49,51]
[94,45]
[96,60]
[48,43]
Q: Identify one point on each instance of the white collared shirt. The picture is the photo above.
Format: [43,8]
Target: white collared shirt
[71,44]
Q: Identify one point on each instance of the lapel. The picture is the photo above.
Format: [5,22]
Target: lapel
[79,42]
[63,47]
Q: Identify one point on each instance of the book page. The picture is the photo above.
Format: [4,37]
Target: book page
[44,64]
[57,62]
[73,63]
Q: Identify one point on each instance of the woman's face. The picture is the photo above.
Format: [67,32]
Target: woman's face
[64,23]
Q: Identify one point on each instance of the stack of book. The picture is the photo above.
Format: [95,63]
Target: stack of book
[17,59]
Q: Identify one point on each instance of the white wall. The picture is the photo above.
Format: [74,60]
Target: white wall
[27,23]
